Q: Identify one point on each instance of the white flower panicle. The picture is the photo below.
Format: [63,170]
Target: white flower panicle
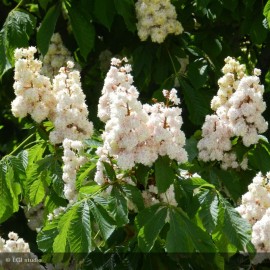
[33,91]
[71,111]
[136,133]
[156,19]
[14,245]
[255,208]
[118,79]
[215,139]
[56,57]
[238,110]
[73,159]
[233,72]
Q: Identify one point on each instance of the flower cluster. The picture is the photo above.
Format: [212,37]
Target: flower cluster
[255,208]
[62,102]
[73,159]
[33,91]
[238,110]
[25,259]
[70,120]
[56,57]
[136,133]
[156,19]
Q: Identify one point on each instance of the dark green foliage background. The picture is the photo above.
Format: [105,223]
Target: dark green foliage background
[213,30]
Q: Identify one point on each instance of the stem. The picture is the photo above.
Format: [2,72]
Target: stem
[175,72]
[21,144]
[19,4]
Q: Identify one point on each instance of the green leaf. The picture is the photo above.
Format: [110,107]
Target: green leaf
[46,237]
[38,188]
[148,234]
[109,171]
[82,27]
[44,3]
[164,173]
[125,8]
[6,209]
[236,229]
[104,11]
[46,28]
[195,99]
[141,174]
[4,62]
[266,12]
[118,207]
[65,224]
[134,195]
[144,215]
[90,189]
[231,181]
[259,157]
[79,235]
[191,148]
[105,223]
[178,239]
[84,172]
[209,209]
[185,236]
[258,32]
[14,188]
[197,73]
[18,28]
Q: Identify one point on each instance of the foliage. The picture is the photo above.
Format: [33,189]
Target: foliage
[204,231]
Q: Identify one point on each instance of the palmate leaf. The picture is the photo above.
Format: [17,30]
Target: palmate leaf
[7,204]
[61,243]
[259,157]
[118,207]
[185,236]
[18,28]
[104,221]
[38,188]
[134,195]
[236,229]
[47,27]
[209,209]
[47,235]
[164,173]
[104,11]
[150,231]
[125,8]
[4,62]
[195,99]
[83,29]
[79,235]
